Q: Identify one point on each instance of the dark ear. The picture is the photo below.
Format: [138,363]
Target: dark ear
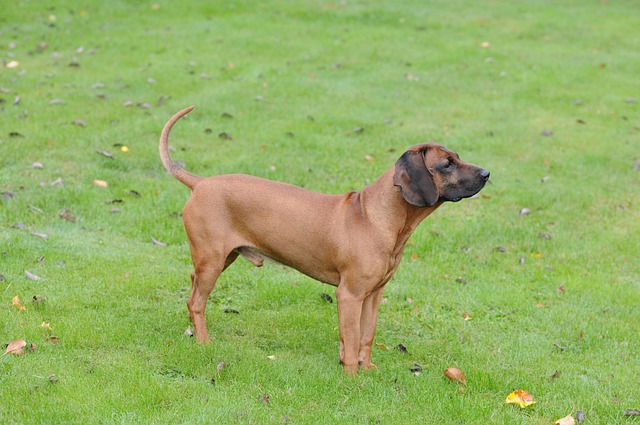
[415,180]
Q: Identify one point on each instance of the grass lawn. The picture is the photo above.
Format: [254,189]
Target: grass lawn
[325,95]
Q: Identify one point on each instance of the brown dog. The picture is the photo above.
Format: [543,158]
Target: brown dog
[352,241]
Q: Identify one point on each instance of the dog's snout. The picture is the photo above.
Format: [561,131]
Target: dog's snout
[485,174]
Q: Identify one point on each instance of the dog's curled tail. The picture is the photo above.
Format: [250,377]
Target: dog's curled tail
[190,180]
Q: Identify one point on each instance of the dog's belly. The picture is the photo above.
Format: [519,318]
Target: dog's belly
[257,258]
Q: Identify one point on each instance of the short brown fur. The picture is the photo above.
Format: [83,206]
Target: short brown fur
[352,241]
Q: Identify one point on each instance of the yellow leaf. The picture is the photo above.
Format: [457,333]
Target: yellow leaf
[124,148]
[567,420]
[46,325]
[536,255]
[521,398]
[466,316]
[382,346]
[16,303]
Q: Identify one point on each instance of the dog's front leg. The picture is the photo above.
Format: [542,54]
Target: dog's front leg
[349,313]
[368,321]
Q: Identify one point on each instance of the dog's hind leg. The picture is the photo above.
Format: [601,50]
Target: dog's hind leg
[203,279]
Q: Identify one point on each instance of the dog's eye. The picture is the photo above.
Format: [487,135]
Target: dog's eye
[450,165]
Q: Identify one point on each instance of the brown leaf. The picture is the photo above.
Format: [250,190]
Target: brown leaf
[16,347]
[65,215]
[631,412]
[456,375]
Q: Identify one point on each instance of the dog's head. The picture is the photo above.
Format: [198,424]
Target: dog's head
[430,173]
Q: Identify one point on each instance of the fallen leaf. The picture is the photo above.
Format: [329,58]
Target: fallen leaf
[631,412]
[266,398]
[456,375]
[188,332]
[231,310]
[567,420]
[272,357]
[466,316]
[64,214]
[104,153]
[416,369]
[382,346]
[16,347]
[521,398]
[580,416]
[40,235]
[17,304]
[46,325]
[221,366]
[37,165]
[327,298]
[100,183]
[157,242]
[547,133]
[30,275]
[12,64]
[525,211]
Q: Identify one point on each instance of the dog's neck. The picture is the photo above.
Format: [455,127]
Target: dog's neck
[384,192]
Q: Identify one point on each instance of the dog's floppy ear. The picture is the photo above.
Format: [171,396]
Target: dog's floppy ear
[415,180]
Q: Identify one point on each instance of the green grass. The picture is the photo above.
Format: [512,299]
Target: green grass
[298,78]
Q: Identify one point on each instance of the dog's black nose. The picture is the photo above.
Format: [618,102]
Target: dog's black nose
[485,174]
